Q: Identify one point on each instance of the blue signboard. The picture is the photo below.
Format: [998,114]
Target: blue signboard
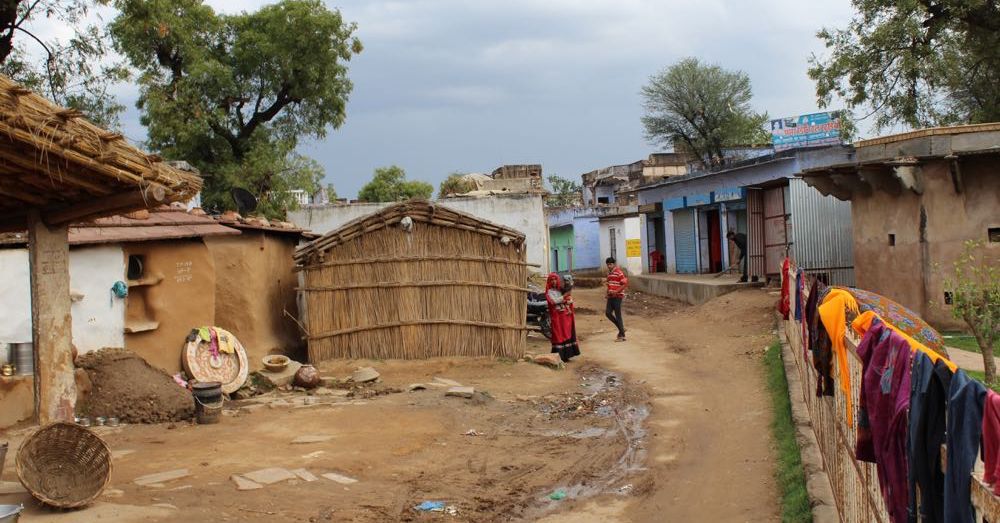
[728,195]
[699,199]
[673,203]
[806,130]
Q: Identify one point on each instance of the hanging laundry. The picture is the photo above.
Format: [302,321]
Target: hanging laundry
[822,352]
[213,342]
[964,427]
[883,402]
[864,320]
[226,343]
[783,306]
[799,291]
[991,440]
[929,383]
[903,319]
[204,334]
[833,313]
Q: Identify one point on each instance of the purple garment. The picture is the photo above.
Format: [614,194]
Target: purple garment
[885,400]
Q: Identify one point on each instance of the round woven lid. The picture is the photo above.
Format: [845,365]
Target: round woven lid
[228,369]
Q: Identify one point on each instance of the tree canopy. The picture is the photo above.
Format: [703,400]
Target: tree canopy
[390,185]
[234,94]
[455,184]
[564,192]
[74,72]
[916,62]
[703,108]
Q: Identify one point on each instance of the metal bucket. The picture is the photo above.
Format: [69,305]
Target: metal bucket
[207,402]
[24,358]
[10,513]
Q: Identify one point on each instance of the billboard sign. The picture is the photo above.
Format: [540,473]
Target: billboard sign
[807,130]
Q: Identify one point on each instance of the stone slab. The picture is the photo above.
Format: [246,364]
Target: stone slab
[447,382]
[305,475]
[244,483]
[461,392]
[311,438]
[283,378]
[269,476]
[343,480]
[161,477]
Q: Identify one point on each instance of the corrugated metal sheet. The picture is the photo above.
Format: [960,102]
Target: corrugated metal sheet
[822,242]
[684,241]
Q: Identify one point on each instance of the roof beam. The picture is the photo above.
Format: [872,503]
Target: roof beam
[150,196]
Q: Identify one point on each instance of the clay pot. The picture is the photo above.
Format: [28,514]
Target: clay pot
[307,377]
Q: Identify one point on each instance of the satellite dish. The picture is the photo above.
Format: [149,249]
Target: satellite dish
[246,203]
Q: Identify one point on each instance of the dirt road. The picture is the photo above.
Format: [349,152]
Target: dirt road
[702,454]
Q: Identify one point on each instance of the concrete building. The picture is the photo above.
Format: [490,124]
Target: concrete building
[916,198]
[621,237]
[687,217]
[522,212]
[575,237]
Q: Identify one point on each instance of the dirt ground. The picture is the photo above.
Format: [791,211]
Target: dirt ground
[671,425]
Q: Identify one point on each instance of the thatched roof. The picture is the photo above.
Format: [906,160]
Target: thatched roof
[55,161]
[418,211]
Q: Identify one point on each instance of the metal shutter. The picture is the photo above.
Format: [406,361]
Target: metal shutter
[684,241]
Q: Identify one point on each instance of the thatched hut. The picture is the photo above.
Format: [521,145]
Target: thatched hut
[415,280]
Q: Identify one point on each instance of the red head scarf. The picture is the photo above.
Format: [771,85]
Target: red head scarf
[554,281]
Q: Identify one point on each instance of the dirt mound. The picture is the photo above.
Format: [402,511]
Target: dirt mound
[127,387]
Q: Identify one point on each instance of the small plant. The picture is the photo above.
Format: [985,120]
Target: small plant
[975,294]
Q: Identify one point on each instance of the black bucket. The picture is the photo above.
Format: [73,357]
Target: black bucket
[207,401]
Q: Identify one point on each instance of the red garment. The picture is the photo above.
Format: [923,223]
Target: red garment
[783,305]
[991,440]
[562,319]
[617,281]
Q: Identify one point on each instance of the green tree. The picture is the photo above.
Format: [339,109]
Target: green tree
[455,184]
[916,62]
[76,71]
[564,192]
[390,185]
[975,291]
[703,108]
[233,94]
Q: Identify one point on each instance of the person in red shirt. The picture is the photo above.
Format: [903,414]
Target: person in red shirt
[617,282]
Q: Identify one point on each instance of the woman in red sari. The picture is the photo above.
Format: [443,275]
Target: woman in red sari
[562,316]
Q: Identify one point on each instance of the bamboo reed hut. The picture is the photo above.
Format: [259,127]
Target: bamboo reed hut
[415,280]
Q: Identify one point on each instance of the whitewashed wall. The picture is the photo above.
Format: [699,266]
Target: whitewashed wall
[98,321]
[625,229]
[15,287]
[524,213]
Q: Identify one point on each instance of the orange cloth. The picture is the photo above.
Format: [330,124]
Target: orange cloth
[862,323]
[833,313]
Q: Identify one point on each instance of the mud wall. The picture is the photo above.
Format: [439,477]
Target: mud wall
[254,286]
[17,402]
[175,294]
[928,231]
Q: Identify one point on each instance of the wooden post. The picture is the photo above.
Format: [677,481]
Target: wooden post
[51,323]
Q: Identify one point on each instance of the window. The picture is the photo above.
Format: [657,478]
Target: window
[603,199]
[892,240]
[994,234]
[614,242]
[569,258]
[948,298]
[555,260]
[135,267]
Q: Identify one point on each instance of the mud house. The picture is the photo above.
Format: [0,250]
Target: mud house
[415,280]
[255,287]
[523,212]
[161,258]
[687,217]
[915,199]
[59,169]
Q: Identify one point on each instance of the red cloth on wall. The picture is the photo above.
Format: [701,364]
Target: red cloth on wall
[783,305]
[991,440]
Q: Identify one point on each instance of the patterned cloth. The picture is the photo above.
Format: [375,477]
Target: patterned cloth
[900,317]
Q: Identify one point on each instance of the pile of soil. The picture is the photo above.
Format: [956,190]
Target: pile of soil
[127,387]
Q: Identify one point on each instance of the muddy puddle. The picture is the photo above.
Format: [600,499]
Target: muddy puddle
[617,411]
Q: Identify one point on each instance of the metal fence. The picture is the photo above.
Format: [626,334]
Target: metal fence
[855,483]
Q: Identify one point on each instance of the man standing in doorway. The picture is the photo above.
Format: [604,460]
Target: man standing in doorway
[617,282]
[740,240]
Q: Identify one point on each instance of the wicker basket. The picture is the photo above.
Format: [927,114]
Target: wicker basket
[64,465]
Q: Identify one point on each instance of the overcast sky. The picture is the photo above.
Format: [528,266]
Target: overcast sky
[446,86]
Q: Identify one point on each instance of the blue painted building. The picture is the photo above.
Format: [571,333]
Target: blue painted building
[687,217]
[582,225]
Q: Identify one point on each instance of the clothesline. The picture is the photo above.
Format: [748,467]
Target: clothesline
[911,398]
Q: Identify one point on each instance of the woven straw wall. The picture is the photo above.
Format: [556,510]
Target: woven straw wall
[435,290]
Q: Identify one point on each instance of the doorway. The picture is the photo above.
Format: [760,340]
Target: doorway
[714,241]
